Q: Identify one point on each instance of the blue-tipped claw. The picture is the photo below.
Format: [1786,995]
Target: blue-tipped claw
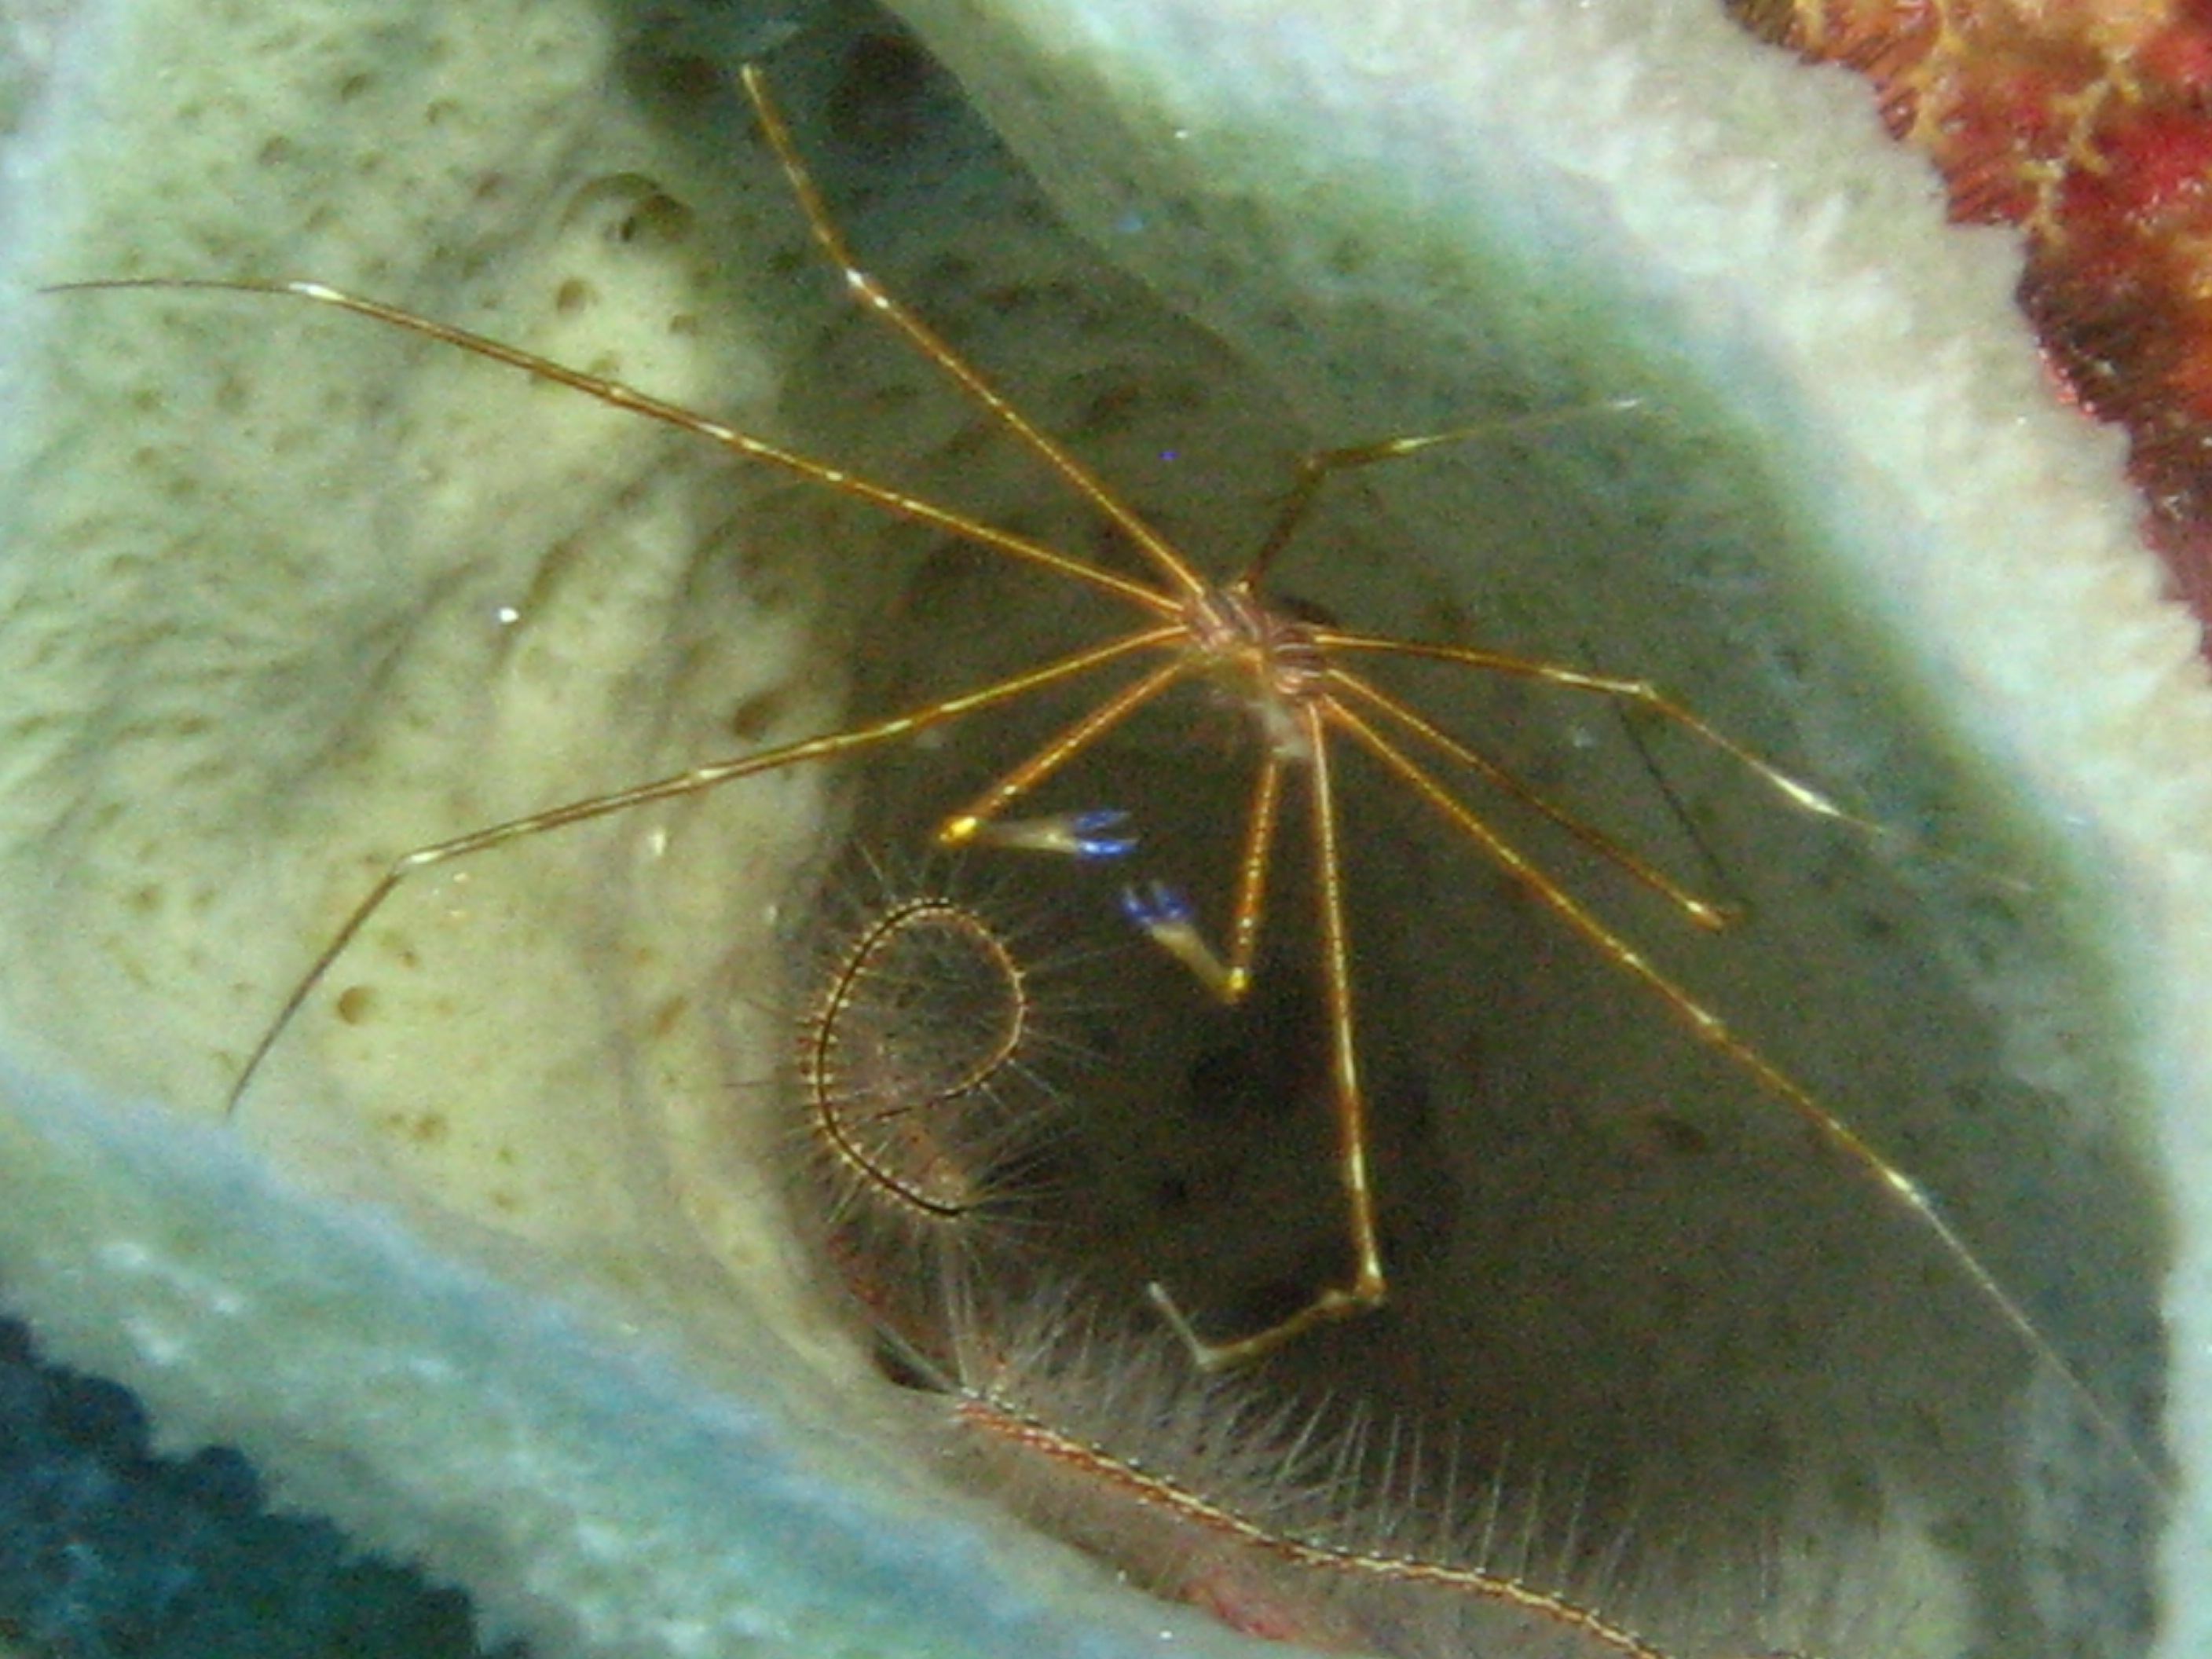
[1085,836]
[1170,923]
[1088,832]
[1156,907]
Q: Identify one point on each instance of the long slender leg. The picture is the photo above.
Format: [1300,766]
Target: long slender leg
[617,395]
[677,784]
[1167,919]
[1252,867]
[973,822]
[1642,694]
[1369,1283]
[1636,694]
[1708,1027]
[871,293]
[1703,911]
[1317,468]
